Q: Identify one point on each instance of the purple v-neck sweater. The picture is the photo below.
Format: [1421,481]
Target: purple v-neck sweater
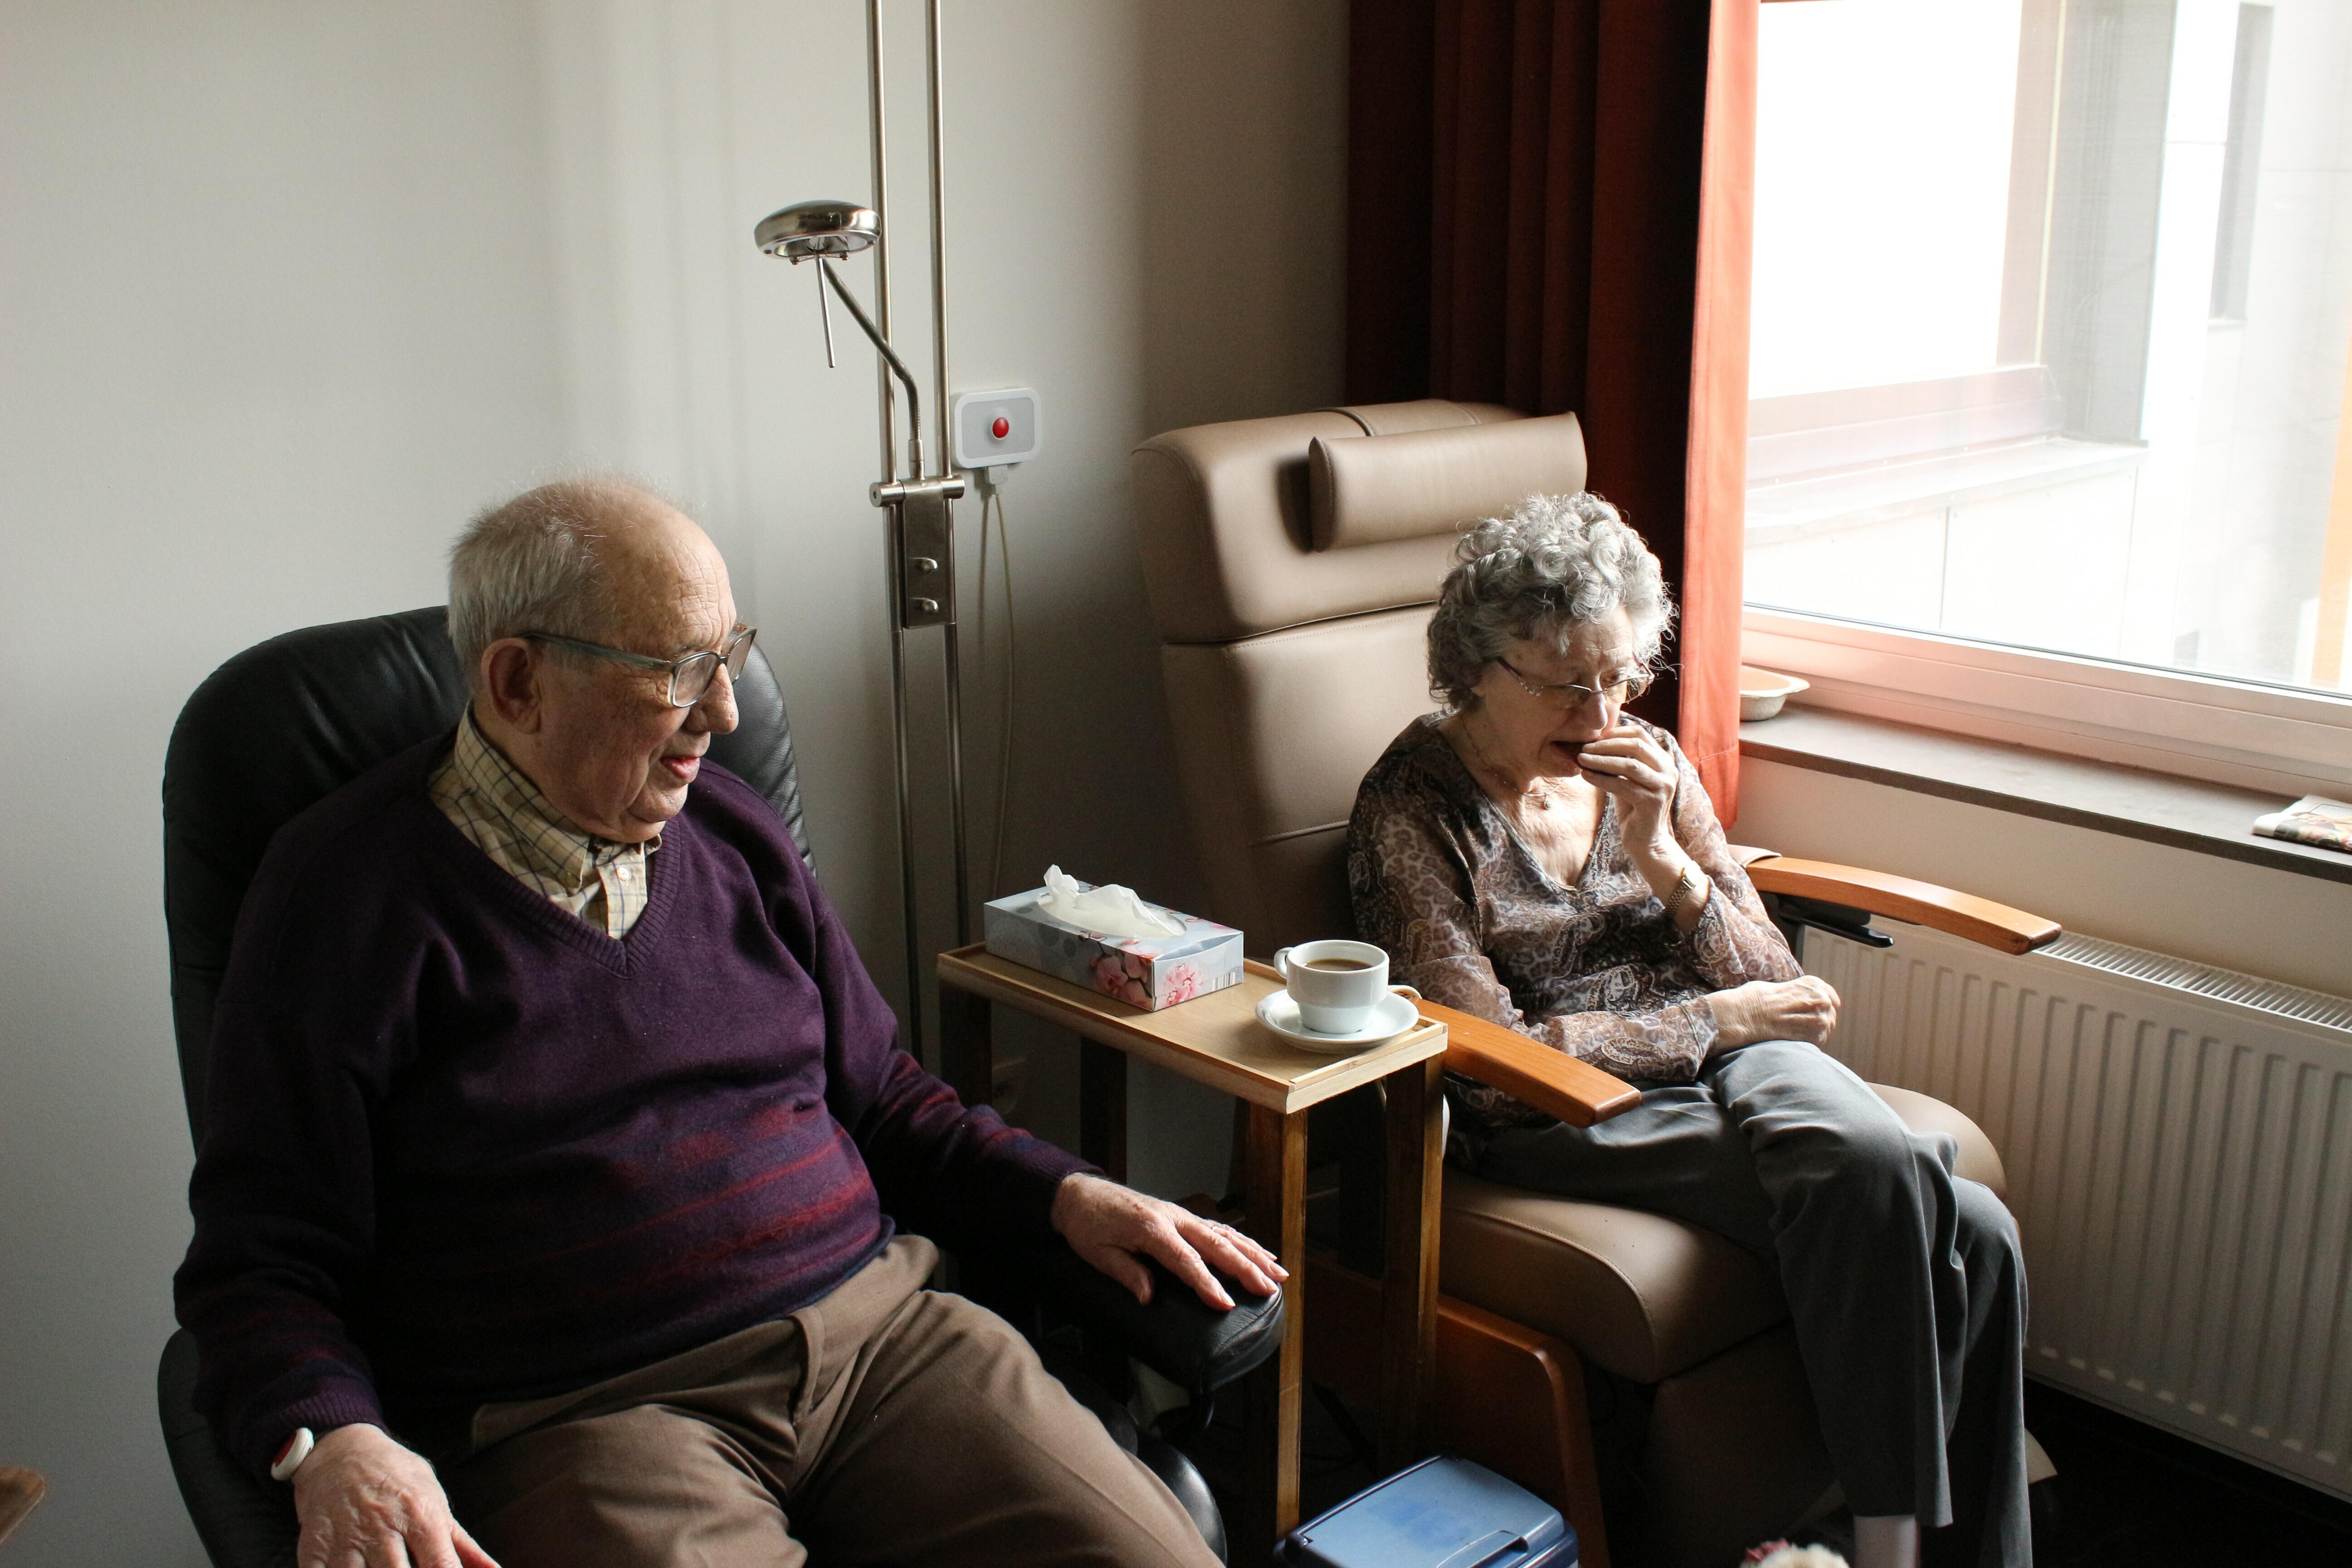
[462,1147]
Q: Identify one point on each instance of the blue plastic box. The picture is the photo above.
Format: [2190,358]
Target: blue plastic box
[1441,1513]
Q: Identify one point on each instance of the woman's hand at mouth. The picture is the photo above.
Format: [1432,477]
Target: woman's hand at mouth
[1635,771]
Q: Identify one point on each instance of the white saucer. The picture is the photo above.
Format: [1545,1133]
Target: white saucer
[1392,1016]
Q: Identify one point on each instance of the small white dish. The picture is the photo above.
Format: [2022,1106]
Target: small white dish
[1761,692]
[1392,1015]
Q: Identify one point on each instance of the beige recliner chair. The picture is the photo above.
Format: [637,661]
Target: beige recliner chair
[1291,564]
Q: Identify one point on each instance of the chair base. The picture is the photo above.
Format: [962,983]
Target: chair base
[1509,1398]
[1514,1400]
[1732,1482]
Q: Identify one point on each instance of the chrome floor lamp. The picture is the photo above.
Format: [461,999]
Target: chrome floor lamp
[919,504]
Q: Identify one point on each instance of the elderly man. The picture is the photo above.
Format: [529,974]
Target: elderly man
[556,1128]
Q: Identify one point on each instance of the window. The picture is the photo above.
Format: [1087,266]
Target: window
[2052,309]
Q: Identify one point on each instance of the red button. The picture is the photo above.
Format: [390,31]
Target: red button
[1002,429]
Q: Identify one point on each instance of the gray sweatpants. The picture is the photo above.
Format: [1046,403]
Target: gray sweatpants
[1906,1285]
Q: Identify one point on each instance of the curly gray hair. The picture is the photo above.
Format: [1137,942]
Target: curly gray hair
[1556,562]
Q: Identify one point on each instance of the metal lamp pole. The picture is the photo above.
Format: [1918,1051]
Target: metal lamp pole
[920,505]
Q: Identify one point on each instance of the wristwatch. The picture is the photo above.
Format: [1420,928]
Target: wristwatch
[290,1457]
[1685,885]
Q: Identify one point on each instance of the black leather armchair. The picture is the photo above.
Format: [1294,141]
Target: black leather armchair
[284,723]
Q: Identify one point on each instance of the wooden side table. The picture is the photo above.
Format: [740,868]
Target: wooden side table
[1217,1040]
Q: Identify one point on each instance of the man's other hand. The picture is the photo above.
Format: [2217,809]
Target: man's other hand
[1113,1227]
[367,1503]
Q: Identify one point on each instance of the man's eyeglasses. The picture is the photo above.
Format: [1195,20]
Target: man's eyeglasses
[1569,695]
[690,677]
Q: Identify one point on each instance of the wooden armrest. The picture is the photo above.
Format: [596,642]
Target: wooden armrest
[1554,1083]
[1902,899]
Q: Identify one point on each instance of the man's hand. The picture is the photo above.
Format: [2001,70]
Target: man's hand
[1805,1008]
[367,1503]
[1112,1227]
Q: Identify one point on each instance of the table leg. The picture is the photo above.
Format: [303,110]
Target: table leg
[967,1049]
[1102,1108]
[1271,1394]
[1416,1156]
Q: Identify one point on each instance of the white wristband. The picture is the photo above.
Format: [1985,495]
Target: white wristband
[290,1457]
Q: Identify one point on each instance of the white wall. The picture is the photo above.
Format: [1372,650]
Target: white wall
[277,311]
[287,288]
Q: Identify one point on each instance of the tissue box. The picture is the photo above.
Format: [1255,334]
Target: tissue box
[1150,973]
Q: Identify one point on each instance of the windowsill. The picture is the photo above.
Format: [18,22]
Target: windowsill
[2186,813]
[2257,739]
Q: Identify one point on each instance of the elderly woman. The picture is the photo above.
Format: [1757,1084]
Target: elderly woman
[1536,855]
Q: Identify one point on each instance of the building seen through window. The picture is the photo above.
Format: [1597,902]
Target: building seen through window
[2051,313]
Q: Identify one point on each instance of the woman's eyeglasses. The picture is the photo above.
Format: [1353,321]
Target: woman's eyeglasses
[1568,696]
[690,677]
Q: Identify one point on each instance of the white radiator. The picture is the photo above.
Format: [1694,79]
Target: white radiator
[2178,1144]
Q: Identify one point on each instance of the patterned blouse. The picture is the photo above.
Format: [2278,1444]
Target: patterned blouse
[1439,878]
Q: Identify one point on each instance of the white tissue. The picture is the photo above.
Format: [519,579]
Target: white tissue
[1111,910]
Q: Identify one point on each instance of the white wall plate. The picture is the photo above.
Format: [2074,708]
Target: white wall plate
[993,427]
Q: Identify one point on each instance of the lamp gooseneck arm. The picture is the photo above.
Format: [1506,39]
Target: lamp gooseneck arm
[890,357]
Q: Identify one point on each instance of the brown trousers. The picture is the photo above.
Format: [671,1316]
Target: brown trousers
[883,1425]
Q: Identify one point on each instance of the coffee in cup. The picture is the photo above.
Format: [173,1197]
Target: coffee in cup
[1336,982]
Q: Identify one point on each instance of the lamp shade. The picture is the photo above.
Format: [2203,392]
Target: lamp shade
[822,228]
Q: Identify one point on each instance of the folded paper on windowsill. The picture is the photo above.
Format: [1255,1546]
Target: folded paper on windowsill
[1172,958]
[2314,819]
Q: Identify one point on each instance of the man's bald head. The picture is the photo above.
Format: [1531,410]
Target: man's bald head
[565,558]
[575,606]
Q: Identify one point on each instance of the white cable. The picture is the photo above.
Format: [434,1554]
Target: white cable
[992,489]
[1011,688]
[986,491]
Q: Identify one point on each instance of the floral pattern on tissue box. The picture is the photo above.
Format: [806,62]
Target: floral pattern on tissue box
[1150,973]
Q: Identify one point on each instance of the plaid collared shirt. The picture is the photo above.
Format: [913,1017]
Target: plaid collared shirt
[495,804]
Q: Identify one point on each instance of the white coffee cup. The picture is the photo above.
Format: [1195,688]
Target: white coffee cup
[1334,982]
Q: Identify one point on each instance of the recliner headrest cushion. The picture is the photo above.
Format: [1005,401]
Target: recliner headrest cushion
[1374,489]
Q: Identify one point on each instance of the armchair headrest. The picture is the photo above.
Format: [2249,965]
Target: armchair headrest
[1259,524]
[1441,481]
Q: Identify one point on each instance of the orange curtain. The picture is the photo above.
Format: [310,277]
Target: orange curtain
[1550,207]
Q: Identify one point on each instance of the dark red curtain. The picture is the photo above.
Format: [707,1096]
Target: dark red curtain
[1548,207]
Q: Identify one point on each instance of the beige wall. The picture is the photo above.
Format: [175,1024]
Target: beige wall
[2200,907]
[291,288]
[275,313]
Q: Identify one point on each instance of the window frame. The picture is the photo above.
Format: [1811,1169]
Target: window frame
[2248,733]
[2195,724]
